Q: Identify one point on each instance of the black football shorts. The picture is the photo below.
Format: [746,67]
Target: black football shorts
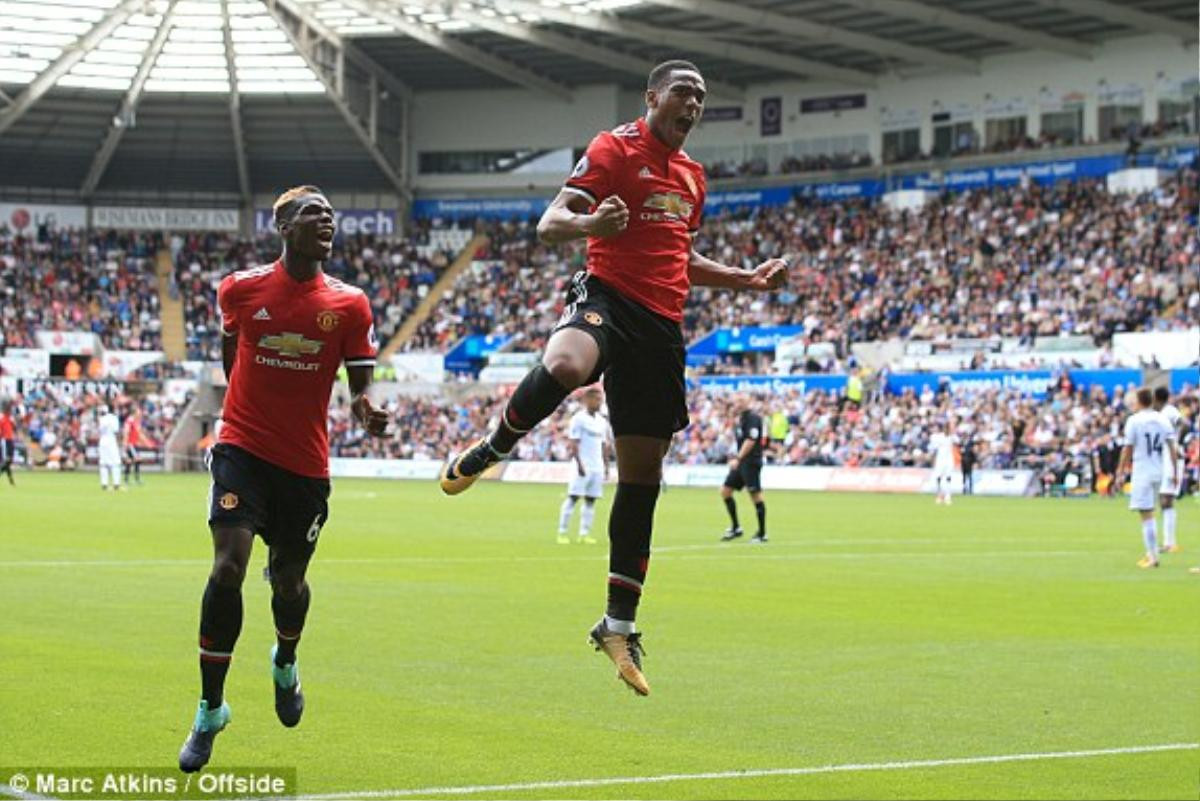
[286,509]
[642,358]
[747,476]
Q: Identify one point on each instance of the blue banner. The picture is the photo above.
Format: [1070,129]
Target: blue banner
[717,202]
[1044,171]
[490,208]
[1035,383]
[381,222]
[468,354]
[1182,377]
[748,339]
[771,383]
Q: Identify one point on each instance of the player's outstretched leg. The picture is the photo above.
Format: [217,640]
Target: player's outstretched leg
[629,529]
[290,599]
[220,625]
[570,359]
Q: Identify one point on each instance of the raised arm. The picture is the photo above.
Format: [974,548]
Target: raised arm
[569,216]
[766,277]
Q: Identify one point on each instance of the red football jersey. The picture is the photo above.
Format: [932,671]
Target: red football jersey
[133,433]
[664,190]
[6,426]
[291,338]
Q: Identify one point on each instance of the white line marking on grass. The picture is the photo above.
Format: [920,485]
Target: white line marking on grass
[759,555]
[20,794]
[751,774]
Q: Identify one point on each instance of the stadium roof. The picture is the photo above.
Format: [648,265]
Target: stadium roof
[107,94]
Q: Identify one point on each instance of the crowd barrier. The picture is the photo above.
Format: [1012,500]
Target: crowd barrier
[774,477]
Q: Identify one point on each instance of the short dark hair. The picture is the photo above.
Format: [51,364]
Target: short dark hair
[283,204]
[1145,396]
[660,74]
[1162,394]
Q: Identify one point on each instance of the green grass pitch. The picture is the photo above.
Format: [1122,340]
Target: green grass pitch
[445,646]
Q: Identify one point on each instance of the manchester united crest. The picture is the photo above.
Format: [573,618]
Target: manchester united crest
[327,320]
[228,501]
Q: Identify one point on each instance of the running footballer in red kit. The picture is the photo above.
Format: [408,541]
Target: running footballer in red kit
[287,328]
[637,198]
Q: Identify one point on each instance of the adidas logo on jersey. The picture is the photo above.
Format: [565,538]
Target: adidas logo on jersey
[262,314]
[644,172]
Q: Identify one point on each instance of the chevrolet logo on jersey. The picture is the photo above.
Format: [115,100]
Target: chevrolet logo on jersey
[290,345]
[667,206]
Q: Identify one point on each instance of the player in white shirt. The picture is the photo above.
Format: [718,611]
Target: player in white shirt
[1147,437]
[1170,486]
[110,449]
[591,440]
[942,443]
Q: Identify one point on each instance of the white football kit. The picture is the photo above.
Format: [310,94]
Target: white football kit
[943,460]
[110,450]
[591,432]
[1171,413]
[1147,433]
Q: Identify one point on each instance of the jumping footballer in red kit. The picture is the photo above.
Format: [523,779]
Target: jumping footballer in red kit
[287,328]
[638,199]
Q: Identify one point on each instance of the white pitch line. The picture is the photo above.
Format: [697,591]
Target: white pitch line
[678,553]
[22,795]
[750,774]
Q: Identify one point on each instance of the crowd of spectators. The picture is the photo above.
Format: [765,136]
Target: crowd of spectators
[1020,262]
[102,283]
[395,273]
[57,425]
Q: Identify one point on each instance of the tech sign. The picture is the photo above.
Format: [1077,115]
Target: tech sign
[381,222]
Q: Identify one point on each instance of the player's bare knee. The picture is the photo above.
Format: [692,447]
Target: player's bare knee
[228,571]
[567,369]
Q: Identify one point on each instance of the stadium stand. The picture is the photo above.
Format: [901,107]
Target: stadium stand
[68,280]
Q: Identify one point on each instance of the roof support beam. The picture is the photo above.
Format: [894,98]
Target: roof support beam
[125,113]
[1123,15]
[235,109]
[820,32]
[975,24]
[385,165]
[693,42]
[461,50]
[71,56]
[346,48]
[588,52]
